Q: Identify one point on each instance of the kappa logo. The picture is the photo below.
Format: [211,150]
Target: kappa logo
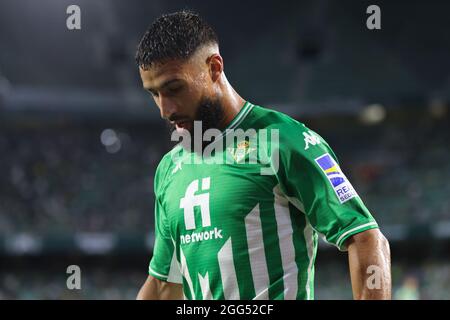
[177,167]
[342,187]
[311,138]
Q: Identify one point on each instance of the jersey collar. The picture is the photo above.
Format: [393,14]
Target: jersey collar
[240,116]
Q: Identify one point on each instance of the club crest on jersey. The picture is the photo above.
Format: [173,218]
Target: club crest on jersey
[342,187]
[241,151]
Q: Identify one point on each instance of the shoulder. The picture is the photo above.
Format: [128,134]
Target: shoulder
[291,132]
[268,118]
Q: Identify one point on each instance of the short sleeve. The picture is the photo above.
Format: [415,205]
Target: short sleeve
[164,264]
[310,175]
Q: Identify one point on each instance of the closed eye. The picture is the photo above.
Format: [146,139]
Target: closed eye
[153,93]
[174,89]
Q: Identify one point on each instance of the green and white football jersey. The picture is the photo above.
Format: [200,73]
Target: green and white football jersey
[228,231]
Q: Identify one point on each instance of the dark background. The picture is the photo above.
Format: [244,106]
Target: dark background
[80,139]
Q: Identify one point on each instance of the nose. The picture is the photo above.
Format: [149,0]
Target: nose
[167,107]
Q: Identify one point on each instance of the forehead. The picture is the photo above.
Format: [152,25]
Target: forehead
[160,73]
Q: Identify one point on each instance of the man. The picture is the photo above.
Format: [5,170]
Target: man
[230,230]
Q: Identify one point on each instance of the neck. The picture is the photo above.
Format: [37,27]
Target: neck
[231,101]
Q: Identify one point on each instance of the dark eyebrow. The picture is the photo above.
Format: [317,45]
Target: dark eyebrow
[165,84]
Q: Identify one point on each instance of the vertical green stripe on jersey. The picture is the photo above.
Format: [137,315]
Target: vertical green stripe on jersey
[272,252]
[305,242]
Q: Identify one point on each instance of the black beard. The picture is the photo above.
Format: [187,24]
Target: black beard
[210,113]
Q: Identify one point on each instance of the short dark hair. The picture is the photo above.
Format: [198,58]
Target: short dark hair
[174,36]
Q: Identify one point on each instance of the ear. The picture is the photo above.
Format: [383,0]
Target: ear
[215,63]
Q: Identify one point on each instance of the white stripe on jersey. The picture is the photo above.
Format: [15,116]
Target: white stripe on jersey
[308,233]
[174,271]
[257,254]
[204,285]
[228,272]
[185,272]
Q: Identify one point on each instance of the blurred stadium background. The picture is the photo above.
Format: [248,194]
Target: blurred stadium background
[80,140]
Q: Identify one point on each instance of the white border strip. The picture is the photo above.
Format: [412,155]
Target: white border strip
[156,273]
[239,116]
[338,242]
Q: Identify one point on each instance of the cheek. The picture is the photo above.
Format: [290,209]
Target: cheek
[202,84]
[190,100]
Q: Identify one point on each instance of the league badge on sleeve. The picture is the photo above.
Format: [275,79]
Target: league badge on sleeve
[342,187]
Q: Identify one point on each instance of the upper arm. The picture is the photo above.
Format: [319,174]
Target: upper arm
[156,289]
[369,240]
[368,250]
[309,172]
[370,265]
[164,280]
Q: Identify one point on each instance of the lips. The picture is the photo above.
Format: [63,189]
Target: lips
[181,124]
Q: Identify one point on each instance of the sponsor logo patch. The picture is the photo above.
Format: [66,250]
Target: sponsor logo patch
[342,187]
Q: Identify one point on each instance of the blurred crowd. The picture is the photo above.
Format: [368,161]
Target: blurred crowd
[428,281]
[93,173]
[67,180]
[93,179]
[98,178]
[95,284]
